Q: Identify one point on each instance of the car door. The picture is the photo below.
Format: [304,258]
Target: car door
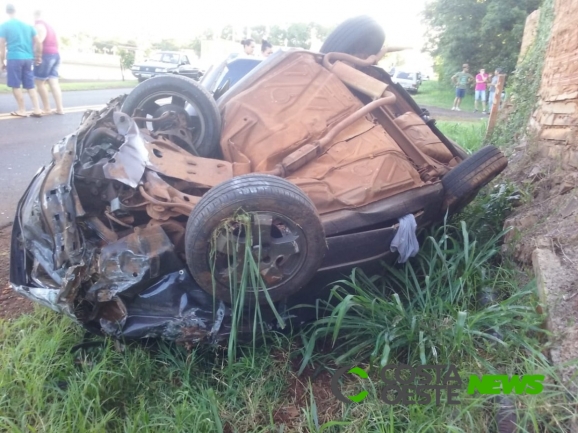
[188,70]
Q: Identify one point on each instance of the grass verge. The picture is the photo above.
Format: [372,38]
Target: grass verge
[46,388]
[467,134]
[435,94]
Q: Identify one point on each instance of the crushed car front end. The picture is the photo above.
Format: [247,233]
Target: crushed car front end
[132,285]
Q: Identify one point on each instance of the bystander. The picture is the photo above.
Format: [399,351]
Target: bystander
[20,49]
[47,71]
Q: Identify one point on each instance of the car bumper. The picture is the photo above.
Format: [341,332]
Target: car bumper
[146,75]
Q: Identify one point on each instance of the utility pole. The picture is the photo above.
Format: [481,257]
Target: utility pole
[496,104]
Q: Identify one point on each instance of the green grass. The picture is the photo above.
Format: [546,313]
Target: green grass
[91,85]
[244,286]
[45,388]
[429,311]
[432,93]
[469,135]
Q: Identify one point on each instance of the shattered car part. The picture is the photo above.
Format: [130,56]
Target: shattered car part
[128,164]
[100,233]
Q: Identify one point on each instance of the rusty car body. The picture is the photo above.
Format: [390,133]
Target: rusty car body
[101,233]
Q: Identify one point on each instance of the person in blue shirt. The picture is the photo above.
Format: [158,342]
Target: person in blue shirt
[20,49]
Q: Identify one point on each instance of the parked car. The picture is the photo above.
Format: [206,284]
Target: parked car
[166,62]
[308,164]
[410,81]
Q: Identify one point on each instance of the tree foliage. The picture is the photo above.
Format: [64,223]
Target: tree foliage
[127,57]
[297,34]
[166,45]
[484,33]
[258,33]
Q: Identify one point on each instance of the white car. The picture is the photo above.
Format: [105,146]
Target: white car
[410,81]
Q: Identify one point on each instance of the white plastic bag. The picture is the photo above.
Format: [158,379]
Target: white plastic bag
[405,240]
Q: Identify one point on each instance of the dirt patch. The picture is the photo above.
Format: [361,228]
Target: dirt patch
[443,114]
[544,237]
[549,204]
[12,304]
[311,387]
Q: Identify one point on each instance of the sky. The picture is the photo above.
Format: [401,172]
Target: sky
[184,18]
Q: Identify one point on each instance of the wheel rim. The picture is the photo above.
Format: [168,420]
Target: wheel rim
[150,105]
[278,248]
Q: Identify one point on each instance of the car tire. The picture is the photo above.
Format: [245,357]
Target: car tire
[208,144]
[463,182]
[361,36]
[259,196]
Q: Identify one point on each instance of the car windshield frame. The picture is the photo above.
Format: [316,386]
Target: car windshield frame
[402,75]
[163,58]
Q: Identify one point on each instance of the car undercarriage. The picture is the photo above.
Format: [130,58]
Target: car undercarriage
[133,229]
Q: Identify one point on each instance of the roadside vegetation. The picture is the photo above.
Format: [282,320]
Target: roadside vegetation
[437,94]
[457,302]
[466,134]
[486,34]
[525,85]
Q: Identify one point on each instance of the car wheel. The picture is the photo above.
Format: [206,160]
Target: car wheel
[287,239]
[141,79]
[360,36]
[463,182]
[189,100]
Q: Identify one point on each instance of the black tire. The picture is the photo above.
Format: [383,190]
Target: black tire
[206,144]
[360,36]
[463,182]
[141,79]
[256,194]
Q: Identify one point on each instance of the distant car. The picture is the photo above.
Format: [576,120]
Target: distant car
[166,62]
[410,81]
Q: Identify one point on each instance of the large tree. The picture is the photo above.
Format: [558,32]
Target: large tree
[297,34]
[484,33]
[166,45]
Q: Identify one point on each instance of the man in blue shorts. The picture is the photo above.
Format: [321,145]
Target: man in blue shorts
[461,80]
[20,46]
[47,71]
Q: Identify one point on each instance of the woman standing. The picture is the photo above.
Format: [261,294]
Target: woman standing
[493,85]
[47,71]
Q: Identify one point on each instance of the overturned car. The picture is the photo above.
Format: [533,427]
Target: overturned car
[309,164]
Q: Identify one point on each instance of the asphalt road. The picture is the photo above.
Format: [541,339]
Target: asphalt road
[26,143]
